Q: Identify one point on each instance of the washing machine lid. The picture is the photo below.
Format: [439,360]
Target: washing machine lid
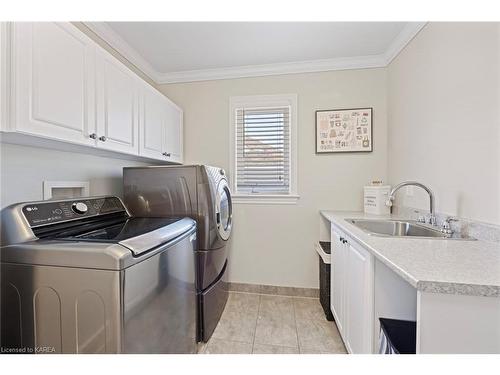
[139,235]
[91,232]
[85,250]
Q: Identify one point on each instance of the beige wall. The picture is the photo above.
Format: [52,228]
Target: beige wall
[23,170]
[273,244]
[444,124]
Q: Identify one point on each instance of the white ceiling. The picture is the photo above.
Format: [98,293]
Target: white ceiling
[188,51]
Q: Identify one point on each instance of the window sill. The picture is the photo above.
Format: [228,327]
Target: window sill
[265,199]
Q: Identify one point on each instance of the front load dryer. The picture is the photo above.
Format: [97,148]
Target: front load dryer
[202,193]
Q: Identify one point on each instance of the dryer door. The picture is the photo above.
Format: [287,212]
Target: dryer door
[223,210]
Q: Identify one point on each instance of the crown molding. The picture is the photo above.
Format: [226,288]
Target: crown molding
[358,62]
[345,63]
[111,37]
[406,35]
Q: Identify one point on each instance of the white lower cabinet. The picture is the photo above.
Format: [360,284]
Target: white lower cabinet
[359,299]
[352,292]
[337,280]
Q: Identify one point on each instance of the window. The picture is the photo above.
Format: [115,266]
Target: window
[263,150]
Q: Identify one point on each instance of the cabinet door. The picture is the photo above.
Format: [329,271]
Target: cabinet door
[359,299]
[173,132]
[117,105]
[152,124]
[337,280]
[344,249]
[53,73]
[3,76]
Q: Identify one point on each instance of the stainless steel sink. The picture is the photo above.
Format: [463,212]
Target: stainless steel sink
[399,228]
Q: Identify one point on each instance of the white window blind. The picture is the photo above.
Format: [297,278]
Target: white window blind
[263,150]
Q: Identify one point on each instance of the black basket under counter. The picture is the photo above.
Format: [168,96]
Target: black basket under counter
[397,336]
[324,279]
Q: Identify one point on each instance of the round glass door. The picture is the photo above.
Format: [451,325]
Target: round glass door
[224,210]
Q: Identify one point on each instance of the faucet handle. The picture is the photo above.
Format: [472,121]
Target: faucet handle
[420,217]
[447,221]
[432,219]
[446,227]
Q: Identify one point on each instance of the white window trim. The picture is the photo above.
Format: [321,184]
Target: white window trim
[253,101]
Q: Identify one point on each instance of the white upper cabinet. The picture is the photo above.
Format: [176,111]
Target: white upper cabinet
[152,124]
[58,84]
[117,105]
[54,85]
[160,127]
[174,130]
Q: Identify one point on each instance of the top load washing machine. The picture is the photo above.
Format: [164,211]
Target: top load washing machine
[82,276]
[202,193]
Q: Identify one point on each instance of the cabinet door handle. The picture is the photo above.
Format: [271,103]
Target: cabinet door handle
[93,136]
[102,138]
[167,154]
[341,239]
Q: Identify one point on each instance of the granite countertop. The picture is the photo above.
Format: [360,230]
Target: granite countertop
[431,265]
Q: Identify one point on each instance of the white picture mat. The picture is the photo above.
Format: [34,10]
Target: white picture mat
[344,130]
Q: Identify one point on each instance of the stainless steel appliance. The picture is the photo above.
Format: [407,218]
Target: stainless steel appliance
[202,193]
[83,276]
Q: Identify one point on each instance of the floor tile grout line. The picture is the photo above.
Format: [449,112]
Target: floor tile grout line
[279,346]
[296,327]
[256,322]
[205,347]
[232,340]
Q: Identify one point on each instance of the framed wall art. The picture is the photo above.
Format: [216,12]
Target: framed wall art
[344,130]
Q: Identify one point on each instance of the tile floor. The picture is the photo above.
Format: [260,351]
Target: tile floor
[268,324]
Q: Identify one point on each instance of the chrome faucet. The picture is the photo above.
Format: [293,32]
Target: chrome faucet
[432,217]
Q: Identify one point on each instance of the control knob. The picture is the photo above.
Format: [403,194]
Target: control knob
[79,207]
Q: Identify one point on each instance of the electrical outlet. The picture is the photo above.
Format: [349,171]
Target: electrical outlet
[409,191]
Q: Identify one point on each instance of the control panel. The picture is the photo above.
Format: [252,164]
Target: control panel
[43,213]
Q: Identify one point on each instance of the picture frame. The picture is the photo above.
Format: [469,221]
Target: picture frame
[344,130]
